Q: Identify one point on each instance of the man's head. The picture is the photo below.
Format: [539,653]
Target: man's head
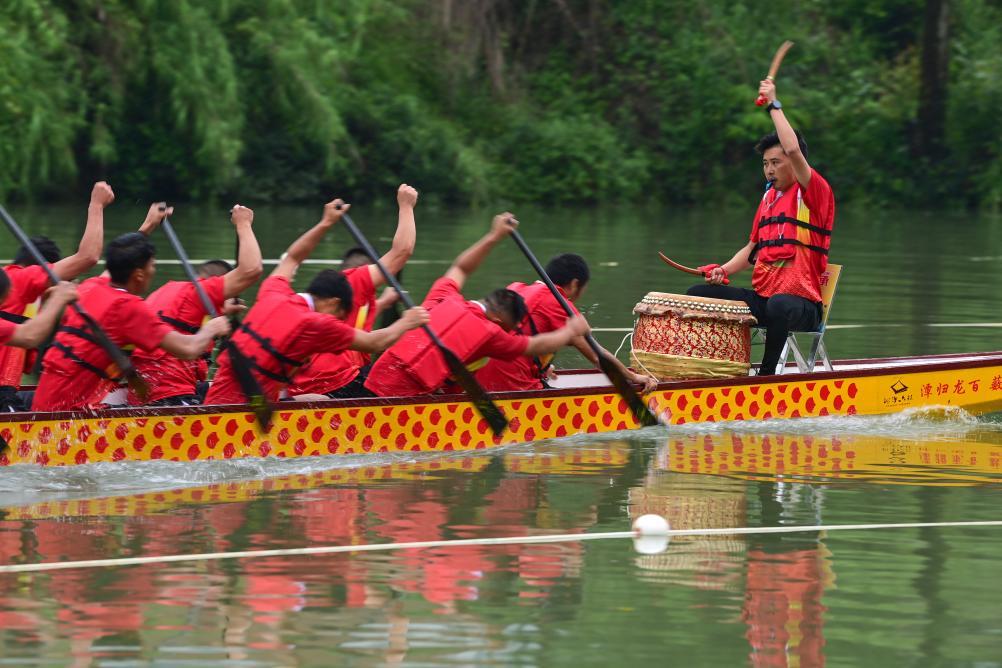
[570,272]
[130,260]
[331,293]
[214,268]
[355,257]
[46,246]
[776,164]
[505,308]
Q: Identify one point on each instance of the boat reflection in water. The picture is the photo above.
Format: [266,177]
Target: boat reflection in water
[249,602]
[697,480]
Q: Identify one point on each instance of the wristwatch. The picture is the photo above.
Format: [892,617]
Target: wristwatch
[773,105]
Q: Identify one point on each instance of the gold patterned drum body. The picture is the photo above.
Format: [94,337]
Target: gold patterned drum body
[678,336]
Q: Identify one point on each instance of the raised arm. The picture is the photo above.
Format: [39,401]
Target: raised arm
[249,266]
[302,247]
[379,340]
[91,243]
[787,137]
[404,239]
[154,216]
[31,333]
[472,257]
[190,346]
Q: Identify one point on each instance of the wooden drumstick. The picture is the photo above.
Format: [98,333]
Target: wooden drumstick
[776,61]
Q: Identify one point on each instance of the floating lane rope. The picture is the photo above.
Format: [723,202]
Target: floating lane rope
[651,534]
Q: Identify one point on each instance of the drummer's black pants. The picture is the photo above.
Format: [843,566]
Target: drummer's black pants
[779,314]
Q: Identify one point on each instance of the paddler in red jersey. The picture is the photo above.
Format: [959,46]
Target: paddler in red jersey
[28,281]
[173,381]
[474,330]
[32,332]
[328,373]
[569,272]
[284,328]
[77,372]
[788,247]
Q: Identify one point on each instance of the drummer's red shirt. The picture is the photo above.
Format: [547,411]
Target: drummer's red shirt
[128,322]
[801,274]
[326,372]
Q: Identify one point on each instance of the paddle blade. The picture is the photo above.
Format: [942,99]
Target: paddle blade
[137,383]
[640,412]
[487,408]
[259,403]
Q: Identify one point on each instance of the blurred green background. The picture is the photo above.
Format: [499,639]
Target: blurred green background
[478,101]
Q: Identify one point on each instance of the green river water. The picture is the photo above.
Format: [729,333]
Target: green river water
[913,283]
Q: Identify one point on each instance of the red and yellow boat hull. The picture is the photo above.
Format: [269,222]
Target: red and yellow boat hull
[441,424]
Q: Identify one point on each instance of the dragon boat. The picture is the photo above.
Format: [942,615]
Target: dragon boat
[581,402]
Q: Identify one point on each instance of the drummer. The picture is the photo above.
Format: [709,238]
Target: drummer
[788,247]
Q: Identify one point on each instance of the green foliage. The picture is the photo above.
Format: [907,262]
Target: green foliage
[474,100]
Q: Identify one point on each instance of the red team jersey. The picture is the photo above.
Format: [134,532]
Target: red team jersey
[177,304]
[6,332]
[326,372]
[523,373]
[800,273]
[26,285]
[76,370]
[294,331]
[413,366]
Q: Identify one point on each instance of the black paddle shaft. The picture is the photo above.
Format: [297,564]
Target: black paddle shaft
[241,367]
[121,360]
[487,408]
[615,375]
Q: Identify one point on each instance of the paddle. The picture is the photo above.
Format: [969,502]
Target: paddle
[262,408]
[619,381]
[120,359]
[487,408]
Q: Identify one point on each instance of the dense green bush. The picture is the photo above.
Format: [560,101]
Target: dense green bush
[544,100]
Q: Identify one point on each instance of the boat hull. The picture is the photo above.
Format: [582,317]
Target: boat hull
[439,424]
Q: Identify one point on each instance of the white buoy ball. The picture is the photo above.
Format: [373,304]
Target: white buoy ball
[651,525]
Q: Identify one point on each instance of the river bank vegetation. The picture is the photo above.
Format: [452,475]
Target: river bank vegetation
[472,100]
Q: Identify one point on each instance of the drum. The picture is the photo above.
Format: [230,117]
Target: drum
[678,336]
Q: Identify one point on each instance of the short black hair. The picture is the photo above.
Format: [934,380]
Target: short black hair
[355,257]
[509,303]
[124,254]
[46,246]
[332,283]
[772,139]
[4,285]
[566,267]
[214,268]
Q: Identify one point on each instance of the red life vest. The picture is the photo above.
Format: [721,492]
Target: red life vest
[262,337]
[534,294]
[458,326]
[74,339]
[784,223]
